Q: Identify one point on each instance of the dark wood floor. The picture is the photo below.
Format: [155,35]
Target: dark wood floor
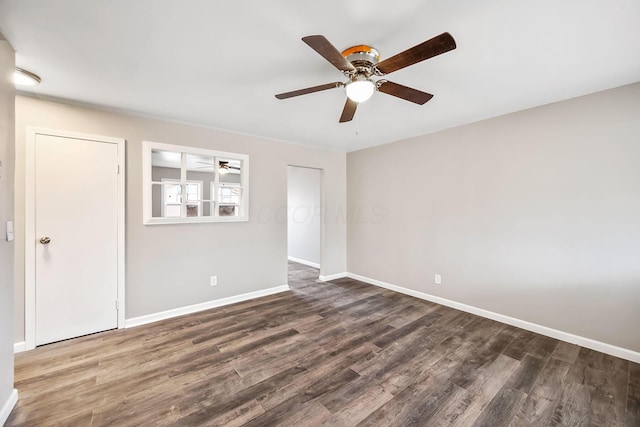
[341,353]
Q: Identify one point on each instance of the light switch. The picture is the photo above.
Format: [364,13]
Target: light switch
[9,231]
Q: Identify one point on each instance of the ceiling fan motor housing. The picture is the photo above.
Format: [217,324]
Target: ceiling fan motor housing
[363,58]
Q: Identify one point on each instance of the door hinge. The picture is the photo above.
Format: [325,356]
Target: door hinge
[118,169]
[117,306]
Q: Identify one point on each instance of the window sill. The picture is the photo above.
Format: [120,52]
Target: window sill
[194,220]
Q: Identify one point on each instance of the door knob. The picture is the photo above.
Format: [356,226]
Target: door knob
[45,240]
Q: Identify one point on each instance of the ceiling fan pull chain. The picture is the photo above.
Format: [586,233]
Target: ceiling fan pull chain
[358,123]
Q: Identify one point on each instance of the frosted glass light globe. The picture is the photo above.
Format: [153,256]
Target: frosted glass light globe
[360,90]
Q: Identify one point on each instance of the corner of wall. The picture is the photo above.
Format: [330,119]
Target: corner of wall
[8,395]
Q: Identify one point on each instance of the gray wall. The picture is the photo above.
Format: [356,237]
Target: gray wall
[304,190]
[7,148]
[534,215]
[168,266]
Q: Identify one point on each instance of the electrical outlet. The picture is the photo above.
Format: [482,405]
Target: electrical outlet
[214,280]
[438,279]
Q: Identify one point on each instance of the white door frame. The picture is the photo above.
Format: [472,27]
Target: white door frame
[322,215]
[30,226]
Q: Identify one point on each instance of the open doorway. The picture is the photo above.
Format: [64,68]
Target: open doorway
[304,220]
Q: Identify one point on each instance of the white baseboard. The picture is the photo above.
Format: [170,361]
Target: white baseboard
[333,276]
[8,407]
[154,317]
[613,350]
[19,347]
[304,262]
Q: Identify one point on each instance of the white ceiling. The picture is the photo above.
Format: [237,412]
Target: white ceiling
[219,64]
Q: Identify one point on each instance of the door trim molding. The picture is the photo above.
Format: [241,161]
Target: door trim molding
[30,237]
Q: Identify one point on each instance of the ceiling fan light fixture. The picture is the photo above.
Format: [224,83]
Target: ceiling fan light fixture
[223,169]
[360,90]
[25,78]
[359,63]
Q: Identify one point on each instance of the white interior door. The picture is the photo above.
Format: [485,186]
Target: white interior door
[76,237]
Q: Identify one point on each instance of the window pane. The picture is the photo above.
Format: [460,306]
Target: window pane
[229,195]
[228,210]
[172,211]
[201,169]
[165,200]
[194,199]
[229,170]
[156,200]
[229,200]
[193,192]
[193,209]
[166,159]
[165,165]
[171,199]
[172,194]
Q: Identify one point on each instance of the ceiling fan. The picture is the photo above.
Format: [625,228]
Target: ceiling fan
[223,166]
[360,63]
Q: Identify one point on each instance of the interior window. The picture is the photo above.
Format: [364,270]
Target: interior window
[188,184]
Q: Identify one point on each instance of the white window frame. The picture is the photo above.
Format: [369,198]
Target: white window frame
[147,182]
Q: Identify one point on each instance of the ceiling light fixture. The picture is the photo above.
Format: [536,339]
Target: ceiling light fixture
[360,89]
[223,168]
[25,78]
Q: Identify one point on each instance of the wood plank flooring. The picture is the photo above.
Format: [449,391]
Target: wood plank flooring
[342,353]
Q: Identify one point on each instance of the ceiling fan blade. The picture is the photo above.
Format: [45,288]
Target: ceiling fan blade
[328,51]
[404,92]
[309,90]
[349,111]
[425,50]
